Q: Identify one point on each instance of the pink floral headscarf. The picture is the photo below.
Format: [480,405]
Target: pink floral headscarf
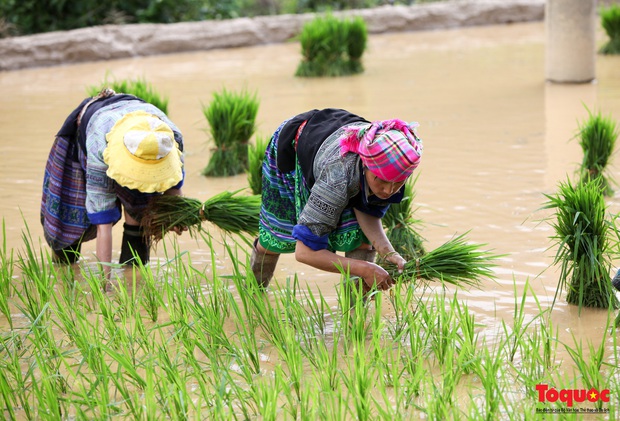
[390,149]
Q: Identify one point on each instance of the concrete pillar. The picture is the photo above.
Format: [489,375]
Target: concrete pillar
[571,40]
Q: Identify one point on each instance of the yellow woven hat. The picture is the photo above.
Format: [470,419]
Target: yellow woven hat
[142,153]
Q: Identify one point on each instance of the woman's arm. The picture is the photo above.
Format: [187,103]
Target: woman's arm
[174,192]
[104,247]
[332,262]
[373,228]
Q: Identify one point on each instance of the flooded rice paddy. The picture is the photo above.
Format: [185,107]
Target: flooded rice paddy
[497,137]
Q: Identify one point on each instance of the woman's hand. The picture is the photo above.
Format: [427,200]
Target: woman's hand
[179,229]
[376,275]
[397,259]
[176,192]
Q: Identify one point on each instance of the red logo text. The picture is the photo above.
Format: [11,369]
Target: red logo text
[568,396]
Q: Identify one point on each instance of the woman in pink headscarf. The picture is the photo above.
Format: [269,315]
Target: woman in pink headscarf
[329,176]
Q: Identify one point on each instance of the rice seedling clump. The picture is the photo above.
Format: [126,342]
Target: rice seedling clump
[585,250]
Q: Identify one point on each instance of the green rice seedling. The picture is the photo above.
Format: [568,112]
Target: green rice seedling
[393,394]
[126,301]
[441,327]
[334,407]
[8,401]
[357,37]
[14,353]
[31,305]
[281,334]
[582,235]
[6,266]
[325,366]
[293,396]
[414,373]
[538,352]
[308,410]
[136,87]
[248,351]
[172,386]
[590,371]
[490,371]
[84,336]
[597,137]
[451,374]
[179,308]
[229,211]
[390,373]
[352,299]
[467,341]
[438,403]
[256,157]
[610,21]
[318,310]
[133,401]
[45,391]
[38,279]
[49,358]
[548,335]
[514,335]
[151,293]
[266,395]
[359,382]
[323,45]
[332,47]
[614,377]
[399,224]
[104,307]
[209,312]
[376,334]
[127,370]
[455,262]
[405,302]
[297,315]
[232,122]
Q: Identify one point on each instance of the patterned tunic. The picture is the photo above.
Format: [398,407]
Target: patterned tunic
[310,195]
[77,193]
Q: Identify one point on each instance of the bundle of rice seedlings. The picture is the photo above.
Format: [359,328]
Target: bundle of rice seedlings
[256,156]
[455,262]
[582,235]
[357,36]
[137,87]
[610,21]
[229,211]
[232,121]
[597,138]
[332,46]
[399,225]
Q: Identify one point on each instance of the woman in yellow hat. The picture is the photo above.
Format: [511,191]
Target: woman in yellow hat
[113,152]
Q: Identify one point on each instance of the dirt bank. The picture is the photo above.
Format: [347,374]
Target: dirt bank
[121,41]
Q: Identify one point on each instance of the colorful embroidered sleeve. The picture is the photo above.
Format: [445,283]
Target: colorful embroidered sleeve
[335,184]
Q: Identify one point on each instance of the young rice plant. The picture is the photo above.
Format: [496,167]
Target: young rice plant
[597,138]
[583,238]
[137,87]
[610,21]
[232,121]
[332,47]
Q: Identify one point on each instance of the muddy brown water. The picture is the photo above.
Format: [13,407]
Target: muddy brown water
[497,138]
